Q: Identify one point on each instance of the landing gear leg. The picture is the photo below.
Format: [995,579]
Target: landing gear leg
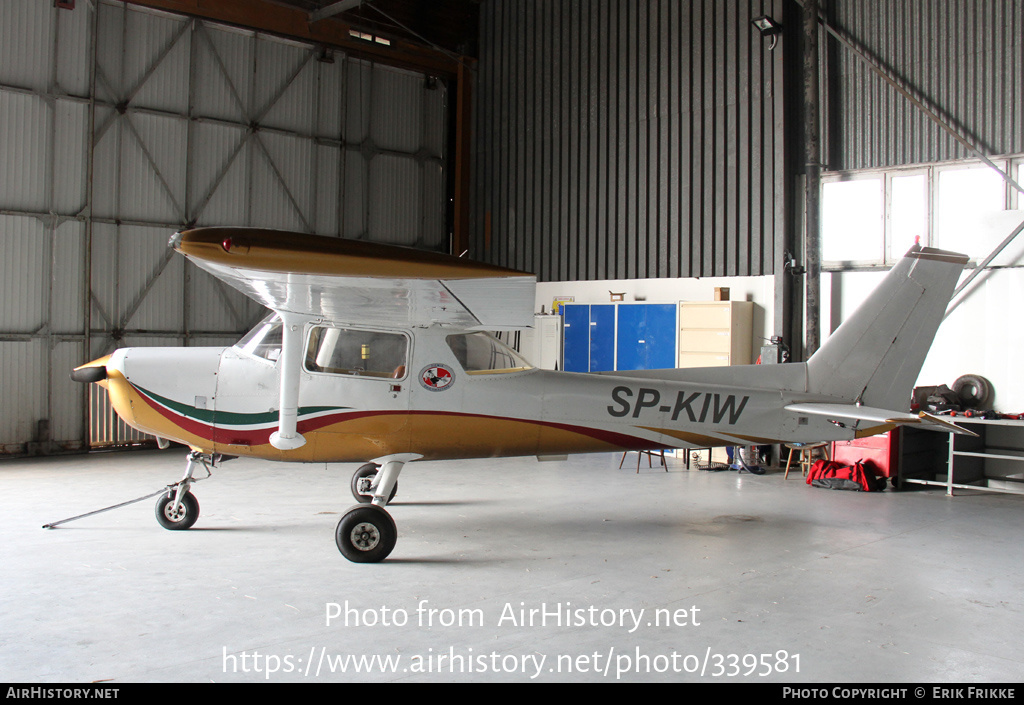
[366,532]
[363,481]
[177,509]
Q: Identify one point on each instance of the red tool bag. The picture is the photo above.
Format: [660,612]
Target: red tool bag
[837,476]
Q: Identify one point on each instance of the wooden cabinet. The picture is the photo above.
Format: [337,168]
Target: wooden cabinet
[715,333]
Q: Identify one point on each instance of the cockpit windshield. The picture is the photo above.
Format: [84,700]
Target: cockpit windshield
[264,340]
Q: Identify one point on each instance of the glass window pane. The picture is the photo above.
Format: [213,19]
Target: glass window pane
[264,340]
[967,200]
[269,346]
[356,352]
[908,215]
[851,221]
[479,353]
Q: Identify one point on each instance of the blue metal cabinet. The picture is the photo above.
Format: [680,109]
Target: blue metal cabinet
[588,337]
[601,337]
[576,337]
[646,336]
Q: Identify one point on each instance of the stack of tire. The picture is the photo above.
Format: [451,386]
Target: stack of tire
[974,391]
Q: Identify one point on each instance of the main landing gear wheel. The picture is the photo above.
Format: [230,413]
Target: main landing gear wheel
[183,518]
[366,534]
[362,480]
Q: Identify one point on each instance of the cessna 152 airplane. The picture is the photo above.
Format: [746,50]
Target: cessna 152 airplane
[378,354]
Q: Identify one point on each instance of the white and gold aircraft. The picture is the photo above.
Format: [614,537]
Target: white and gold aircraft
[378,354]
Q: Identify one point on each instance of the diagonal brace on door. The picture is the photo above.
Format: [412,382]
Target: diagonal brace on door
[127,98]
[154,275]
[254,122]
[918,103]
[156,170]
[981,267]
[284,184]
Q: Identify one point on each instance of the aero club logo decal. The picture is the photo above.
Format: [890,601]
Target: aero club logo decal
[437,378]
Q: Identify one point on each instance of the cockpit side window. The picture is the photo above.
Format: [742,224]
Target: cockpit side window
[264,340]
[480,354]
[360,353]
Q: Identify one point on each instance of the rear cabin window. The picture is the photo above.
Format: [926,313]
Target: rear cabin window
[480,354]
[359,353]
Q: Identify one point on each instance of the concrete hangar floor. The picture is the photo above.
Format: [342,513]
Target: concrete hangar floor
[505,570]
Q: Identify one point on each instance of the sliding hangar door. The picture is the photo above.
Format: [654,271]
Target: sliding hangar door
[120,125]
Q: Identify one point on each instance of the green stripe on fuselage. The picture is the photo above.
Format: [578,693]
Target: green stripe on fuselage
[229,418]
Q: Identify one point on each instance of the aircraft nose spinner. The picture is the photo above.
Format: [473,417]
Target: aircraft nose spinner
[95,371]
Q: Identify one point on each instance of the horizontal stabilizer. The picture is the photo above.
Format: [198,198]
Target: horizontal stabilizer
[852,412]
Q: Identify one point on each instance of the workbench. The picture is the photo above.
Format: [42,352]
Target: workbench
[993,461]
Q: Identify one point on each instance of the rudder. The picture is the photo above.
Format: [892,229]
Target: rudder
[875,356]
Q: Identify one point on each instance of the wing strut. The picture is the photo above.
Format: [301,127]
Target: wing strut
[287,437]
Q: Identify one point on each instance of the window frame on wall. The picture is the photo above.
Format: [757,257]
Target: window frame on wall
[891,247]
[894,249]
[1016,199]
[848,180]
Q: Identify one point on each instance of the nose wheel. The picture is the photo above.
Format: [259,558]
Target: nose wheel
[177,516]
[177,508]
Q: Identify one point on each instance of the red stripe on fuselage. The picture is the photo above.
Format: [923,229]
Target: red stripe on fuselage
[234,436]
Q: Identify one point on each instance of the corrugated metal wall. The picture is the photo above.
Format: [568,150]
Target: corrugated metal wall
[963,58]
[120,125]
[621,139]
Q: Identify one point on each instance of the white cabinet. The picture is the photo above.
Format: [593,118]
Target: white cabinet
[715,333]
[546,344]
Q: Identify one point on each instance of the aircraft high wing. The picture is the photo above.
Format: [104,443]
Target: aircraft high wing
[377,354]
[361,282]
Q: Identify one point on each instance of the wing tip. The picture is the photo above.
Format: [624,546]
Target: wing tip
[295,252]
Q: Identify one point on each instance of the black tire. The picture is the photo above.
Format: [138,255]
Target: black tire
[366,534]
[368,470]
[975,391]
[188,511]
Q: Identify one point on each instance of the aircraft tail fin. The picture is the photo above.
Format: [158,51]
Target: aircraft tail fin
[875,356]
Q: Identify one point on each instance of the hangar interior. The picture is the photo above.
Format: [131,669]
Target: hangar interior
[775,157]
